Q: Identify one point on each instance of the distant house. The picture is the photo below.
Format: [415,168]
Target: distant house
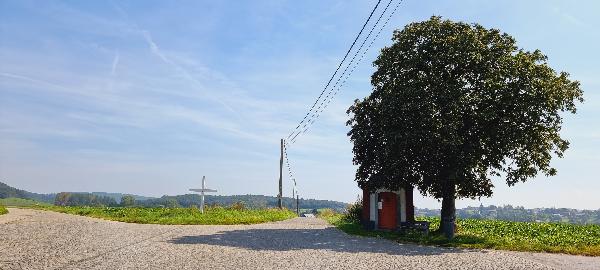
[387,209]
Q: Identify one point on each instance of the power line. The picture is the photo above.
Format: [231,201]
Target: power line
[325,102]
[357,52]
[338,68]
[330,97]
[315,113]
[318,112]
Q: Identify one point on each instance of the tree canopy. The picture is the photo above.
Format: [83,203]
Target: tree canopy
[76,199]
[127,200]
[454,104]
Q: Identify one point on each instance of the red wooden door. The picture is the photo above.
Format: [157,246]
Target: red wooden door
[388,210]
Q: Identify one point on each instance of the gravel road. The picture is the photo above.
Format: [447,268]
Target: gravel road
[31,239]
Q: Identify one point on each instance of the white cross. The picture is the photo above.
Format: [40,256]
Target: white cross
[202,190]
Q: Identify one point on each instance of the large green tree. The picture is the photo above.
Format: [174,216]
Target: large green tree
[453,105]
[127,200]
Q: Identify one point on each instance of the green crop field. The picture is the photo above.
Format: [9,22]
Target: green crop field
[3,210]
[177,216]
[18,202]
[496,234]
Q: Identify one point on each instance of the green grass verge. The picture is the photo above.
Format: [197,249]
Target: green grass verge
[18,202]
[177,216]
[3,210]
[495,234]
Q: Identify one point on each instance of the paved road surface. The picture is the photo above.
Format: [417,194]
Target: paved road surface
[31,239]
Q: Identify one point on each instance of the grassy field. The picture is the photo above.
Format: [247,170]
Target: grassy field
[18,202]
[3,210]
[178,216]
[496,234]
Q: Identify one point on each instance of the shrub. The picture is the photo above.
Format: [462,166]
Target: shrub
[327,212]
[3,210]
[238,206]
[194,209]
[354,212]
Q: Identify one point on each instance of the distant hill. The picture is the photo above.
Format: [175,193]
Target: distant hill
[187,200]
[7,191]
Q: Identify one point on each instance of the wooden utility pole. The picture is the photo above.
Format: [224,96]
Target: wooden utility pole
[298,205]
[279,197]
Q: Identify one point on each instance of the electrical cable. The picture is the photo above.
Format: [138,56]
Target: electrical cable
[325,102]
[355,66]
[338,68]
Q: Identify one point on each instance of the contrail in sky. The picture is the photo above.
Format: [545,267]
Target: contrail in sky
[115,63]
[154,48]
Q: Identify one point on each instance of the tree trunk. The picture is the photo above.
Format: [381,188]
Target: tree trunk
[448,215]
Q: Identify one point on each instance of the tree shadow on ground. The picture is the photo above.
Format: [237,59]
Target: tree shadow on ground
[316,239]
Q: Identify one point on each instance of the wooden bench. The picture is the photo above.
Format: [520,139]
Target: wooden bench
[416,225]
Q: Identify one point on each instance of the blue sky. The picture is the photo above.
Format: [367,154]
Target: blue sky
[145,97]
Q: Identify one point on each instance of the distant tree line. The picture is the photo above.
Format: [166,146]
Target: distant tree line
[519,213]
[187,200]
[249,201]
[83,199]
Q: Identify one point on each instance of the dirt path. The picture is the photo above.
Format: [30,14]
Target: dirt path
[31,239]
